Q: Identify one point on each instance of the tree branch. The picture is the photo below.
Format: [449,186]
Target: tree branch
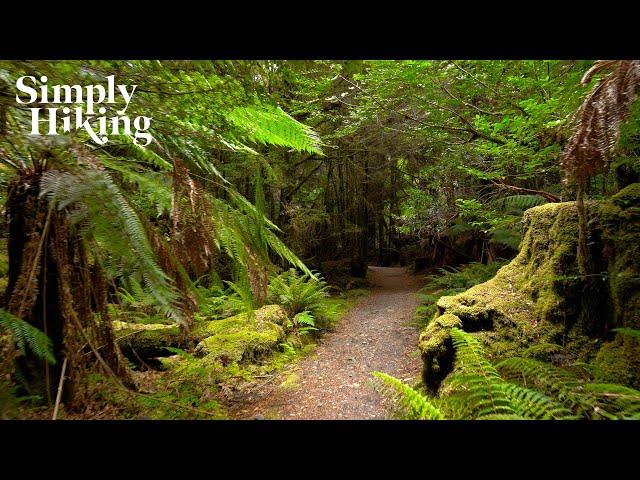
[548,196]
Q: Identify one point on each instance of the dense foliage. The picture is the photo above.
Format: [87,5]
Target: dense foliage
[277,182]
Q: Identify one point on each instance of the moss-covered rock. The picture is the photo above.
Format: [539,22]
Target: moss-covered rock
[247,343]
[437,349]
[540,296]
[241,337]
[268,313]
[619,362]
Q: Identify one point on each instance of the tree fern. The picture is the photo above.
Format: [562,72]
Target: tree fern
[154,186]
[106,217]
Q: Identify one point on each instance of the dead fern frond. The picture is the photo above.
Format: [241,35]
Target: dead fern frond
[600,117]
[192,228]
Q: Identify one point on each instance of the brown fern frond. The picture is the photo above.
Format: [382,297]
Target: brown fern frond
[258,275]
[599,118]
[597,67]
[192,227]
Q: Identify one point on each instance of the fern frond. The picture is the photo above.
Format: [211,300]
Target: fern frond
[505,236]
[541,349]
[502,416]
[269,124]
[297,293]
[25,334]
[409,404]
[560,383]
[475,383]
[535,405]
[97,204]
[630,332]
[623,401]
[460,227]
[518,202]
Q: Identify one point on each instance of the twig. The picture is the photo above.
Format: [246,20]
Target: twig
[548,196]
[60,384]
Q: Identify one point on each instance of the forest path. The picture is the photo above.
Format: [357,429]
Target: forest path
[335,381]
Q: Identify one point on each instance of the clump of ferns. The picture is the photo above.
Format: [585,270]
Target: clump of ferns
[515,388]
[16,337]
[302,295]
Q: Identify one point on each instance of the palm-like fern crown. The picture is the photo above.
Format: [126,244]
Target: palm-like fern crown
[222,115]
[600,116]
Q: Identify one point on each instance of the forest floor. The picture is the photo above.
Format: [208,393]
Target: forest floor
[335,381]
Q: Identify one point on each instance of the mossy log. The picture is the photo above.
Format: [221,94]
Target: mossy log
[141,342]
[231,339]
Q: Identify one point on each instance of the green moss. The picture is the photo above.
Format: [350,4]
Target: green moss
[274,314]
[621,236]
[291,382]
[164,398]
[628,196]
[437,349]
[246,343]
[619,362]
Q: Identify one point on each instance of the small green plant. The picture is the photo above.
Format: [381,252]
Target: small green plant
[25,335]
[304,323]
[241,298]
[297,293]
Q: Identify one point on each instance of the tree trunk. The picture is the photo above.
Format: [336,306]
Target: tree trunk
[53,287]
[583,255]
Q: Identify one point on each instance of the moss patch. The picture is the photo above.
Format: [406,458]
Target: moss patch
[241,337]
[437,349]
[140,342]
[619,362]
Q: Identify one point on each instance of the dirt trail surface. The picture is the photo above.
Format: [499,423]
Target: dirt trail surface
[335,381]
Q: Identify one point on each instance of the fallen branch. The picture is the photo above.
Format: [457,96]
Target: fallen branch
[546,195]
[60,384]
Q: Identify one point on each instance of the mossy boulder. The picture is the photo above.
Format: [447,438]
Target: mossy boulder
[268,313]
[437,349]
[241,337]
[619,362]
[540,296]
